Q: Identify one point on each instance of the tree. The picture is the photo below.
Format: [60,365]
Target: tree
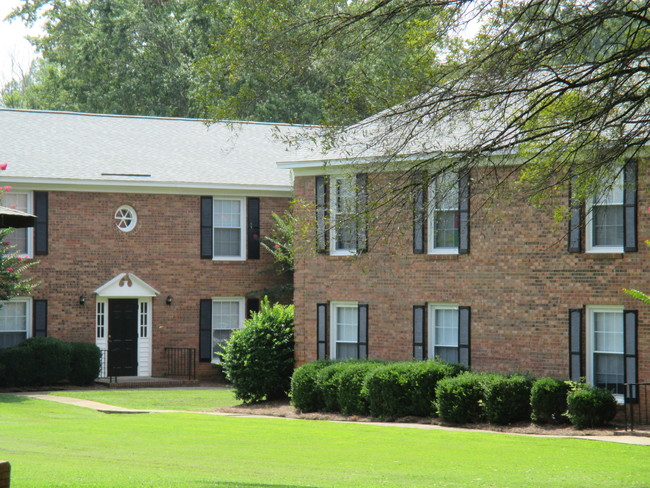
[560,88]
[116,56]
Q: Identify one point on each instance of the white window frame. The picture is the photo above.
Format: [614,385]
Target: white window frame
[431,224]
[29,324]
[431,332]
[334,212]
[334,306]
[595,202]
[241,301]
[29,252]
[123,214]
[591,340]
[242,230]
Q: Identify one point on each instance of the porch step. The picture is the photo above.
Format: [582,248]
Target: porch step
[145,382]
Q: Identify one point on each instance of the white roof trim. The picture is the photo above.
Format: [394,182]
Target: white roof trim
[126,285]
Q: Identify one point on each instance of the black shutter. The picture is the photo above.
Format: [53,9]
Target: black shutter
[207,235]
[629,206]
[464,335]
[40,318]
[252,305]
[362,337]
[362,212]
[41,224]
[575,344]
[463,211]
[321,330]
[253,227]
[418,212]
[321,214]
[205,331]
[631,355]
[419,321]
[575,223]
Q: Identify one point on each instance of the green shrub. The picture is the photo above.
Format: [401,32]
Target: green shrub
[406,388]
[459,399]
[548,400]
[329,382]
[386,388]
[590,407]
[306,395]
[85,361]
[352,397]
[50,359]
[18,366]
[258,359]
[507,398]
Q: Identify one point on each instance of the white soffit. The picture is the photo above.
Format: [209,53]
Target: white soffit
[126,285]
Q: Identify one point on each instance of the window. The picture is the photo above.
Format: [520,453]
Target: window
[228,229]
[443,332]
[344,218]
[344,331]
[444,215]
[227,315]
[15,322]
[605,349]
[21,238]
[605,223]
[125,218]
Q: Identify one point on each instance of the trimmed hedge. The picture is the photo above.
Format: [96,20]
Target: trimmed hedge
[258,358]
[459,399]
[306,395]
[328,381]
[44,361]
[85,362]
[406,388]
[588,406]
[507,398]
[352,397]
[548,400]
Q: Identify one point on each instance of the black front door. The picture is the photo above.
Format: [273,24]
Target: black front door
[123,337]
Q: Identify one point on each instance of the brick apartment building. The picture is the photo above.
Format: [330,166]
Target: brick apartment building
[500,287]
[148,230]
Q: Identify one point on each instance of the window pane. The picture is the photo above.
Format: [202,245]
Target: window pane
[608,225]
[225,315]
[446,188]
[346,324]
[446,228]
[449,354]
[346,351]
[13,323]
[18,238]
[227,242]
[219,338]
[608,332]
[446,332]
[227,213]
[346,233]
[609,372]
[345,217]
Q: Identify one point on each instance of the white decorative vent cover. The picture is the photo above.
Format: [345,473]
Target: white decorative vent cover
[126,218]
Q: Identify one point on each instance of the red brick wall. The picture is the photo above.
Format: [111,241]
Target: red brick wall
[518,278]
[86,250]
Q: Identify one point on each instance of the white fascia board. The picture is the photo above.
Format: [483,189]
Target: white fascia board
[170,188]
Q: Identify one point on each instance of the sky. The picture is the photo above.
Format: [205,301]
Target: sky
[16,52]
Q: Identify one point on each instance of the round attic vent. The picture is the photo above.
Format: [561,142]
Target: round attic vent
[126,218]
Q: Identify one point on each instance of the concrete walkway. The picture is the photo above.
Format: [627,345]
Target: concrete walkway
[638,440]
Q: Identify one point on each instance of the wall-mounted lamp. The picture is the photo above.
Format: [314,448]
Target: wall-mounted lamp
[169,300]
[82,300]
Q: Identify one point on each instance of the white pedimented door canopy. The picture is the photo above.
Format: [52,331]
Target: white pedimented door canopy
[126,285]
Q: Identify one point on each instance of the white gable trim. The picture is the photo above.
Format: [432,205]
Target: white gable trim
[126,285]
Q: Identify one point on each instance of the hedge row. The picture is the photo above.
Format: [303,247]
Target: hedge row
[430,388]
[385,390]
[504,399]
[45,361]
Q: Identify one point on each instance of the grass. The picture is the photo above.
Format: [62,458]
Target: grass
[54,445]
[150,399]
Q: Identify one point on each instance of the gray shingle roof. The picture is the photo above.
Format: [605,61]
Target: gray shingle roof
[73,148]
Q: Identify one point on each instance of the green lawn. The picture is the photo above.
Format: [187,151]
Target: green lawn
[55,445]
[150,399]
